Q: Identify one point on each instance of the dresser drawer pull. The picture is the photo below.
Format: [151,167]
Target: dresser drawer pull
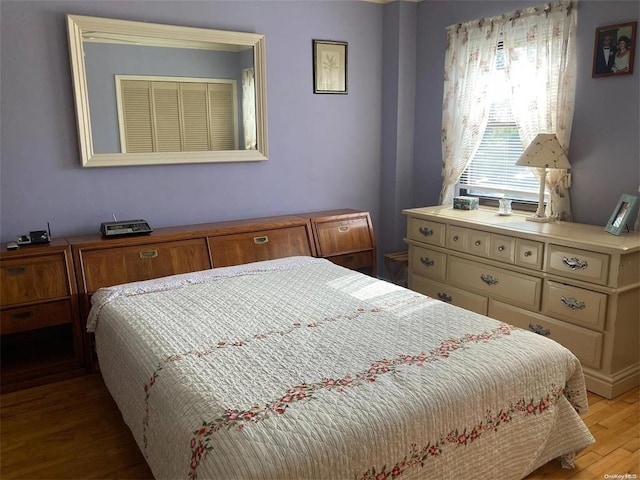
[261,240]
[477,243]
[574,263]
[148,253]
[488,279]
[572,303]
[501,248]
[539,330]
[343,228]
[348,258]
[444,297]
[15,271]
[426,261]
[528,253]
[427,232]
[456,238]
[22,315]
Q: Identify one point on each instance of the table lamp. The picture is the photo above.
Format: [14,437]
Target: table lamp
[543,152]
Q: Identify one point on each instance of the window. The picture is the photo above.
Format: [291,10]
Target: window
[164,114]
[492,171]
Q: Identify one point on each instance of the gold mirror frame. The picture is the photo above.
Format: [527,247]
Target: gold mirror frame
[166,35]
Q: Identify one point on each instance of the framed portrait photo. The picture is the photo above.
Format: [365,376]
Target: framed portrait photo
[329,66]
[618,221]
[614,49]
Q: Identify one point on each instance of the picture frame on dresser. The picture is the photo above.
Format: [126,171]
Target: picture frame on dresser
[618,220]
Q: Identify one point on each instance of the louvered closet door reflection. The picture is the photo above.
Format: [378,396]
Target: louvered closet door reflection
[167,116]
[137,116]
[194,115]
[222,117]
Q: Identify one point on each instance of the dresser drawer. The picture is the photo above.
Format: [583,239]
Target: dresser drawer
[113,266]
[343,236]
[585,344]
[457,238]
[503,248]
[37,316]
[576,305]
[580,264]
[529,253]
[478,243]
[426,231]
[428,263]
[449,294]
[256,246]
[33,279]
[512,287]
[354,261]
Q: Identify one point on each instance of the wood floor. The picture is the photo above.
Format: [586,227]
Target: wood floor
[73,430]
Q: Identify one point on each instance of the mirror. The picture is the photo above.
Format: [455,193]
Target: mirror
[149,94]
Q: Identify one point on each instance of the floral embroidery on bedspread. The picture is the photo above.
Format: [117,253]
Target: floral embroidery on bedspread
[245,341]
[462,436]
[233,418]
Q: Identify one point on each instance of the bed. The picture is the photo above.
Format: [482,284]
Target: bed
[298,368]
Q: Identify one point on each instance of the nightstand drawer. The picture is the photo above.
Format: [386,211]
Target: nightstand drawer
[35,317]
[428,263]
[32,279]
[529,253]
[354,261]
[447,293]
[426,231]
[236,249]
[113,266]
[343,236]
[584,343]
[512,287]
[580,264]
[457,238]
[576,305]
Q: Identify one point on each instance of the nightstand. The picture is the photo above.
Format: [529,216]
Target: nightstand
[39,323]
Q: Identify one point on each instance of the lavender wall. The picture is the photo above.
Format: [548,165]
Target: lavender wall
[324,149]
[604,151]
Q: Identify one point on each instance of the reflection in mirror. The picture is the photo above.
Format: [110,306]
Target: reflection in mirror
[150,94]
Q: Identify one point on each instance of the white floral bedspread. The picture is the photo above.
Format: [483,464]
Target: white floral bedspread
[301,369]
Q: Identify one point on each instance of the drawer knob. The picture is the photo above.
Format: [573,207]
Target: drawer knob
[343,228]
[426,261]
[477,243]
[572,303]
[528,253]
[262,240]
[427,232]
[444,297]
[22,315]
[574,263]
[15,271]
[535,328]
[488,279]
[149,254]
[455,238]
[501,248]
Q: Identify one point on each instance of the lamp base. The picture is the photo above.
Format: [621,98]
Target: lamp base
[538,219]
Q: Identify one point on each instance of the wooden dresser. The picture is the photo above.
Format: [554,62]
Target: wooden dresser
[572,282]
[39,317]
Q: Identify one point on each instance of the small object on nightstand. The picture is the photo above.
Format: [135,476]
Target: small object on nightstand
[12,246]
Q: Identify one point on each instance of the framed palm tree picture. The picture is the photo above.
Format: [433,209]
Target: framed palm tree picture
[329,66]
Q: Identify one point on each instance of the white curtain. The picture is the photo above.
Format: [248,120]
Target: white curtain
[470,63]
[540,64]
[249,109]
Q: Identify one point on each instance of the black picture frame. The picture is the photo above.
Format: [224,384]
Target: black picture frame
[609,63]
[330,66]
[618,220]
